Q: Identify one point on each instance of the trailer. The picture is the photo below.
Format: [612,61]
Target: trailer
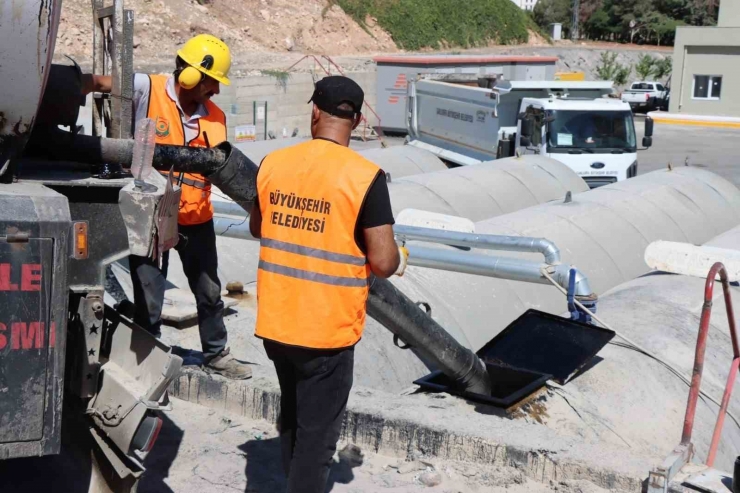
[395,72]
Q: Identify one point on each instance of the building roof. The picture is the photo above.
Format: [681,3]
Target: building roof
[462,59]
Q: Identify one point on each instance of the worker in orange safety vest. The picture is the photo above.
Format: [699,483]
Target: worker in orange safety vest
[324,219]
[181,107]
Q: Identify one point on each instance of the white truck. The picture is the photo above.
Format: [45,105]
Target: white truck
[572,122]
[645,95]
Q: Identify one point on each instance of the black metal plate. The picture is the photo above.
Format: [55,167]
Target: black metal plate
[25,337]
[546,343]
[508,385]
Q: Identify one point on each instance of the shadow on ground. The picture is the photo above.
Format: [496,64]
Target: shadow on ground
[161,458]
[265,472]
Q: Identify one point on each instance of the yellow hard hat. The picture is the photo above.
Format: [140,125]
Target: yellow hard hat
[208,55]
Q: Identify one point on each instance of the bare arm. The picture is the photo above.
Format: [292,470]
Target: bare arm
[96,83]
[255,221]
[382,251]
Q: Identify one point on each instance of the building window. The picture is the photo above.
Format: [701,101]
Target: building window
[707,87]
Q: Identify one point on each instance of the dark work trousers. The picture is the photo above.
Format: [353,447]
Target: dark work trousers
[197,250]
[314,388]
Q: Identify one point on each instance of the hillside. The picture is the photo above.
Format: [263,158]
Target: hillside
[248,26]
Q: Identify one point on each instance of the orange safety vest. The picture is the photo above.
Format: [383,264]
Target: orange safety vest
[195,199]
[312,282]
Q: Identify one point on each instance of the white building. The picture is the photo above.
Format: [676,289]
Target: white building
[525,4]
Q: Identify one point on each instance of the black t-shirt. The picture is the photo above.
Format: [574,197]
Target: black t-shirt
[376,209]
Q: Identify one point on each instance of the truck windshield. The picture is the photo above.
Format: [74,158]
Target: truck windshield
[570,131]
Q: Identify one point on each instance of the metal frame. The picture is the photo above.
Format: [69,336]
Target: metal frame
[364,134]
[113,54]
[701,346]
[660,478]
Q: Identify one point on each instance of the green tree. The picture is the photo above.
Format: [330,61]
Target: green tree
[598,25]
[610,69]
[645,67]
[547,12]
[663,68]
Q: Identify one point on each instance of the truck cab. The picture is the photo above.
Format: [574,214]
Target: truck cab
[594,137]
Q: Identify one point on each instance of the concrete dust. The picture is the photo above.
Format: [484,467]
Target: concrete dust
[202,449]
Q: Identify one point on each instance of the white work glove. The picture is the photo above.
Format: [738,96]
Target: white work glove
[403,253]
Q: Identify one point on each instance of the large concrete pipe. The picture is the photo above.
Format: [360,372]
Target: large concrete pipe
[638,398]
[401,161]
[256,151]
[729,240]
[488,189]
[398,161]
[604,232]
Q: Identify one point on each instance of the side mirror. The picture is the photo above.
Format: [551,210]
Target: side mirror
[649,127]
[647,142]
[527,127]
[524,141]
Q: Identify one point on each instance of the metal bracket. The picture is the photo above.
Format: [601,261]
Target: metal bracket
[400,344]
[86,326]
[660,477]
[576,312]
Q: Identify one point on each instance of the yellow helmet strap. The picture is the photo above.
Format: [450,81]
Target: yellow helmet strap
[190,76]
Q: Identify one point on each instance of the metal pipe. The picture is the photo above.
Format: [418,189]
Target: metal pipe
[512,269]
[723,411]
[456,261]
[228,208]
[701,347]
[232,228]
[489,242]
[397,313]
[55,144]
[224,165]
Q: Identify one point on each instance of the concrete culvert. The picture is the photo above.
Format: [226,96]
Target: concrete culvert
[603,232]
[488,189]
[401,161]
[398,161]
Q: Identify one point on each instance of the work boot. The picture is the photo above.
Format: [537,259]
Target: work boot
[228,366]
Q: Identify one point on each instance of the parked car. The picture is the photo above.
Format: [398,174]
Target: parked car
[648,96]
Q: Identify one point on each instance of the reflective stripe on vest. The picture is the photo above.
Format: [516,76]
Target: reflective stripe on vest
[195,199]
[312,280]
[180,179]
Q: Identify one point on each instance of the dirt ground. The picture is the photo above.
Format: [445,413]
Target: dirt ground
[201,449]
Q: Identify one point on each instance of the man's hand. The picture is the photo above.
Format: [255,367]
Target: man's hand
[403,254]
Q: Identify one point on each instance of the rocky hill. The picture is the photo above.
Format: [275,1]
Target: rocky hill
[248,26]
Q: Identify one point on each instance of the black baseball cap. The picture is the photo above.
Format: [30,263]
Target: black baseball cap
[333,91]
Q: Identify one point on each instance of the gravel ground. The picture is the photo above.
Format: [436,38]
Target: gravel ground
[204,450]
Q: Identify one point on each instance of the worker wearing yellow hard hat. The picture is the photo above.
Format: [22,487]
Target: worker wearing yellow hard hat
[205,55]
[181,107]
